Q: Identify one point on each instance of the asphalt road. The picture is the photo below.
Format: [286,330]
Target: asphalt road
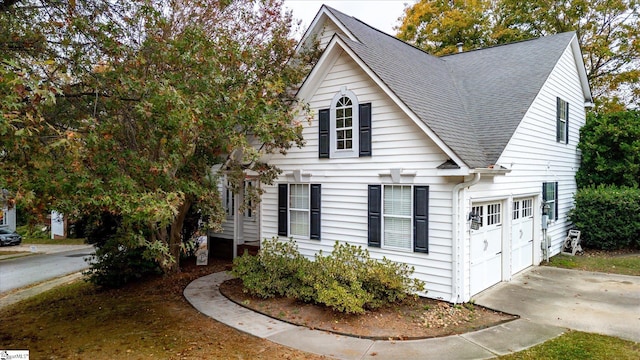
[24,271]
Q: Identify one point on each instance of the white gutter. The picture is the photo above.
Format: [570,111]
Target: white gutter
[456,241]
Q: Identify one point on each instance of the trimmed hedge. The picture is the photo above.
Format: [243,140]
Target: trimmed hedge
[608,217]
[347,280]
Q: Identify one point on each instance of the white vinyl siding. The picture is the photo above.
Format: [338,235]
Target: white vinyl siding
[396,143]
[534,156]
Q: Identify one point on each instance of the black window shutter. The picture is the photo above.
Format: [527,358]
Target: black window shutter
[283,200]
[365,129]
[558,123]
[544,192]
[324,138]
[556,199]
[315,211]
[375,220]
[566,130]
[421,219]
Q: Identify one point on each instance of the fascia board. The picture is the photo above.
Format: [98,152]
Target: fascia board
[582,72]
[318,23]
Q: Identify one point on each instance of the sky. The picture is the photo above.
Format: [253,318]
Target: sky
[381,14]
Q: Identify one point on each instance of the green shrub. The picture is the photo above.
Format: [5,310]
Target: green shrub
[115,265]
[610,146]
[273,271]
[608,217]
[347,280]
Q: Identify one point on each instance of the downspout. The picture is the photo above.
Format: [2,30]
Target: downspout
[456,241]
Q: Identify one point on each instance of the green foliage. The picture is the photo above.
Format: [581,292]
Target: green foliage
[124,108]
[115,265]
[347,280]
[608,217]
[273,271]
[607,30]
[610,145]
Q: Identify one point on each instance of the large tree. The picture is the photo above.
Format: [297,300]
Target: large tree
[608,33]
[123,109]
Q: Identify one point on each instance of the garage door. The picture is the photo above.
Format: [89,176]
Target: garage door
[521,235]
[486,247]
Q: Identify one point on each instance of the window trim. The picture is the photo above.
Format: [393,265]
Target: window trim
[334,152]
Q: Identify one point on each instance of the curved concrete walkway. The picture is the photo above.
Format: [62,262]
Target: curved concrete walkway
[204,295]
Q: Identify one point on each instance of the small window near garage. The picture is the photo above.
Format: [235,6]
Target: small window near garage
[550,198]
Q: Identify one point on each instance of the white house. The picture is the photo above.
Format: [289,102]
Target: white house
[8,217]
[442,163]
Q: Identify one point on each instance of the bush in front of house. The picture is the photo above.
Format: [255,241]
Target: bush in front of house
[608,217]
[347,280]
[273,272]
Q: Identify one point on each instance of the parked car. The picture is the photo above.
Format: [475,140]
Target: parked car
[8,237]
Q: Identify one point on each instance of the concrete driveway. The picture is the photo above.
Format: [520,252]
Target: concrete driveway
[586,301]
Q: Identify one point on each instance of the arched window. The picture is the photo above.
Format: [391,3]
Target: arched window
[344,125]
[344,129]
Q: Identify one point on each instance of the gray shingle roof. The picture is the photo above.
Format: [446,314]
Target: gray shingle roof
[473,101]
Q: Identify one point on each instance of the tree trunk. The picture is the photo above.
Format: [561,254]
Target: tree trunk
[175,237]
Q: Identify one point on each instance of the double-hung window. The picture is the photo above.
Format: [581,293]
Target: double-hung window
[398,217]
[562,121]
[550,198]
[299,210]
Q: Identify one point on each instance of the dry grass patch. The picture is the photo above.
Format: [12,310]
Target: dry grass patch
[151,320]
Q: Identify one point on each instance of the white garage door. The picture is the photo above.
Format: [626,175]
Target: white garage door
[486,247]
[521,235]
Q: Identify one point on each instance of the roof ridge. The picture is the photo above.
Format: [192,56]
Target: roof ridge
[508,43]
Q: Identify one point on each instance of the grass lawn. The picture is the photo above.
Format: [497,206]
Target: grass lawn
[40,241]
[36,236]
[152,320]
[580,346]
[624,263]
